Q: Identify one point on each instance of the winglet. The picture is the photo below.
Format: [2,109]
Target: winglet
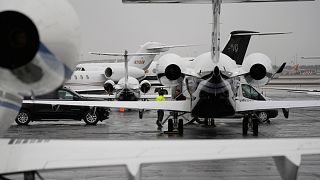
[281,68]
[288,166]
[278,72]
[133,171]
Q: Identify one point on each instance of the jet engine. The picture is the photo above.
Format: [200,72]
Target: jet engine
[259,67]
[170,68]
[38,49]
[117,71]
[109,86]
[145,86]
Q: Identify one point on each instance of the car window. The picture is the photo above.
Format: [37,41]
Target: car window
[62,94]
[251,93]
[52,95]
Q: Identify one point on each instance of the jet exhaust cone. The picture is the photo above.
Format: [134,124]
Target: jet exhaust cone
[258,71]
[145,87]
[108,88]
[173,72]
[19,39]
[216,71]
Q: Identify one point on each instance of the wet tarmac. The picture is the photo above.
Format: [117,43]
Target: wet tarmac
[127,126]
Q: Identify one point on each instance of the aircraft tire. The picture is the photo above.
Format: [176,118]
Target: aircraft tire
[255,126]
[170,125]
[245,123]
[180,127]
[141,113]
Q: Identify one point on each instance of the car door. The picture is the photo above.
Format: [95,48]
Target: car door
[45,111]
[67,111]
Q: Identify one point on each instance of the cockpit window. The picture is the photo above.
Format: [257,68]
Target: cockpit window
[250,93]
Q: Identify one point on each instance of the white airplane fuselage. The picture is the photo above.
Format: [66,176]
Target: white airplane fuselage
[129,92]
[215,95]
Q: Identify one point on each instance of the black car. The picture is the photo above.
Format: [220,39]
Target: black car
[33,110]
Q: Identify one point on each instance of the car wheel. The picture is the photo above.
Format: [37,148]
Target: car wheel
[91,117]
[23,118]
[263,116]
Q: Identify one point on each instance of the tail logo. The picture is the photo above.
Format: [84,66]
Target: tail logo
[140,61]
[234,47]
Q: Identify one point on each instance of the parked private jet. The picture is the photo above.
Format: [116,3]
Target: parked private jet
[216,79]
[99,77]
[34,39]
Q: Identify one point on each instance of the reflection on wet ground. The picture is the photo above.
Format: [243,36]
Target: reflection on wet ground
[127,126]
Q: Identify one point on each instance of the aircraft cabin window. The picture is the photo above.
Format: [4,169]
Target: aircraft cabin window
[81,77]
[75,77]
[87,76]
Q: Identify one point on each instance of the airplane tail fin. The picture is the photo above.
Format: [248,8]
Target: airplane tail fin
[143,62]
[237,46]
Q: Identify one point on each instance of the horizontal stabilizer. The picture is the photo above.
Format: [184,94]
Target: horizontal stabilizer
[204,1]
[261,33]
[122,54]
[168,47]
[311,57]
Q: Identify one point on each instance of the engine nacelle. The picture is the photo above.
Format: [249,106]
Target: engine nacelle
[109,86]
[145,86]
[170,68]
[38,49]
[259,67]
[117,71]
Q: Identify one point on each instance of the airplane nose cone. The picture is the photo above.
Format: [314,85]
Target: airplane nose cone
[216,71]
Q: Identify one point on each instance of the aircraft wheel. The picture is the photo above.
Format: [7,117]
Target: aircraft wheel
[255,126]
[245,122]
[141,113]
[23,118]
[170,125]
[180,127]
[91,118]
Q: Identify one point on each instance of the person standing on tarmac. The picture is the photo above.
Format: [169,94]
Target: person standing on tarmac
[160,112]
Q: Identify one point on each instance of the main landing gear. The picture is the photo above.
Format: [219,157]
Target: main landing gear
[250,120]
[175,125]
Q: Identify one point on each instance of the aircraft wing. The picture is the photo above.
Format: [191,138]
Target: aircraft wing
[204,1]
[184,106]
[263,105]
[10,105]
[142,96]
[22,155]
[297,90]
